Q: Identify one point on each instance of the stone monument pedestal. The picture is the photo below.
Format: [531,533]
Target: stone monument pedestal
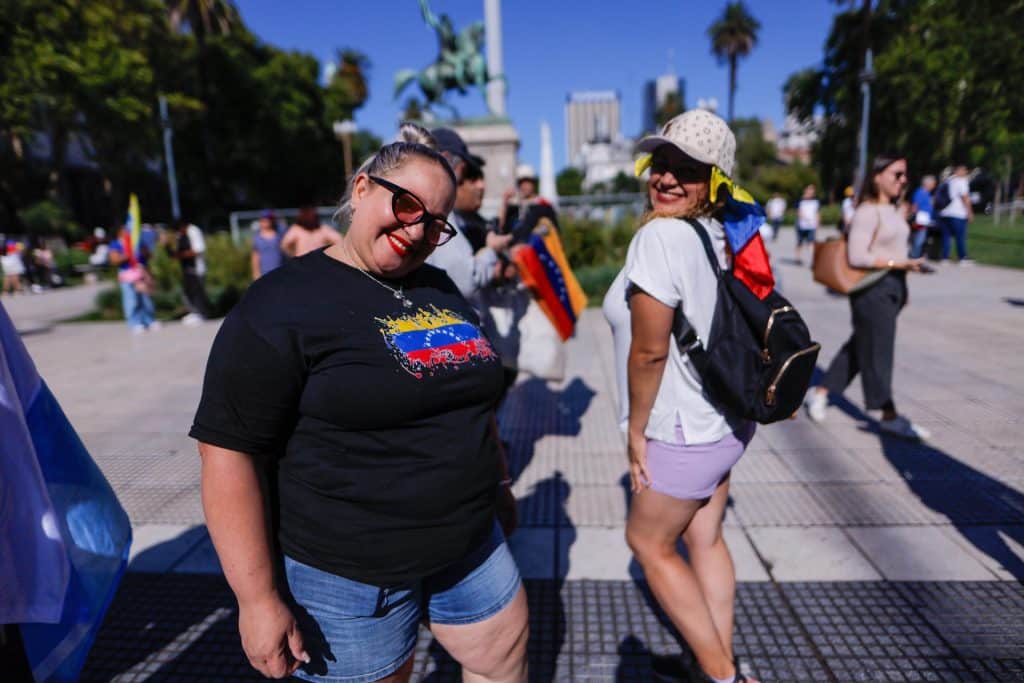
[497,143]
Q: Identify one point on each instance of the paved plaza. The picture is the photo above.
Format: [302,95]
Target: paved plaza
[859,557]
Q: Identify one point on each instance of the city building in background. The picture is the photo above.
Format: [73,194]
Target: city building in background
[590,116]
[667,91]
[796,139]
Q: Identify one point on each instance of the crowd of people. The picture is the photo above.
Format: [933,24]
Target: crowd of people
[27,267]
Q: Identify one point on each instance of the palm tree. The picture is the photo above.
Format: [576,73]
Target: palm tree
[348,88]
[733,35]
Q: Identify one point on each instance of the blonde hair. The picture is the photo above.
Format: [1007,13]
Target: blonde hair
[411,140]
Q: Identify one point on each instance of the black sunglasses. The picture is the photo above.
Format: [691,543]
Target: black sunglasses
[684,170]
[409,210]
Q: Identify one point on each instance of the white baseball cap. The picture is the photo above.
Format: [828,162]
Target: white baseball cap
[525,172]
[698,134]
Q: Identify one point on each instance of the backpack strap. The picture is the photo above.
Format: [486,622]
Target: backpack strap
[705,239]
[686,335]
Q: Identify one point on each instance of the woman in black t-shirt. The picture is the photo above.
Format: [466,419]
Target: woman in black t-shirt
[358,378]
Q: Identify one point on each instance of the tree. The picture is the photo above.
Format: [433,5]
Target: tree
[624,183]
[347,89]
[669,109]
[569,182]
[733,35]
[943,88]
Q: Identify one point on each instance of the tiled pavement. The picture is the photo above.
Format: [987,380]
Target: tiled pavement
[859,557]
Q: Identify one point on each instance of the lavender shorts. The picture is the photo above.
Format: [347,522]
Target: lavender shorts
[693,472]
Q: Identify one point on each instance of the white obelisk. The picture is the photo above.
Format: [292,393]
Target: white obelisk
[495,65]
[548,188]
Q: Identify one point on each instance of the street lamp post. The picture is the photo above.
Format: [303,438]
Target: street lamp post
[343,130]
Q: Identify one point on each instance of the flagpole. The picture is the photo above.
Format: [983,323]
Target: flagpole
[172,178]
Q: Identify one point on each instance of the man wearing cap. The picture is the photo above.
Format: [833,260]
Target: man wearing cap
[470,270]
[266,246]
[522,207]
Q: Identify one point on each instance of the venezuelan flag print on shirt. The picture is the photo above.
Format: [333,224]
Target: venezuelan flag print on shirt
[432,339]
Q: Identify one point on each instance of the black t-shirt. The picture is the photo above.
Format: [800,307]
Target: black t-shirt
[188,263]
[377,416]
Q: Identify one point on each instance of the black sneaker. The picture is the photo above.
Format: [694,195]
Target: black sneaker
[669,669]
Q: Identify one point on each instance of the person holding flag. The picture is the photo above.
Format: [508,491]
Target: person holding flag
[681,447]
[129,257]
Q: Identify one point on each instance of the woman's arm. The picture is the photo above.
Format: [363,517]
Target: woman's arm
[648,353]
[254,264]
[234,508]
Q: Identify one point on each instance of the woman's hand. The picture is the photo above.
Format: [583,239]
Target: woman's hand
[913,265]
[270,636]
[637,450]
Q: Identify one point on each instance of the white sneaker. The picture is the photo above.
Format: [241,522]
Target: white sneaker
[138,329]
[965,262]
[817,405]
[156,326]
[192,319]
[904,428]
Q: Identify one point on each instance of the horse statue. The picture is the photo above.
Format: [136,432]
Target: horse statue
[460,62]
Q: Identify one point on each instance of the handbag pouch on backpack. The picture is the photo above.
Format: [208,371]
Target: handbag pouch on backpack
[758,359]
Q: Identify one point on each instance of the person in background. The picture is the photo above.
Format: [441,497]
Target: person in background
[359,376]
[183,250]
[266,246]
[136,284]
[957,214]
[847,208]
[307,234]
[471,270]
[922,215]
[13,267]
[878,242]
[469,197]
[522,207]
[775,210]
[808,218]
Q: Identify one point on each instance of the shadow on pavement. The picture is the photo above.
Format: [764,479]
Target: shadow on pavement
[532,410]
[983,509]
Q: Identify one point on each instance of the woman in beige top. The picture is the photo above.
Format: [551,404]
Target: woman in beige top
[877,241]
[308,234]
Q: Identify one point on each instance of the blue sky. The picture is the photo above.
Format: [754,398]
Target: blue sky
[552,47]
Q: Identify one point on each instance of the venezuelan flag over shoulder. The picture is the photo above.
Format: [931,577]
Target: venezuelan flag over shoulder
[742,217]
[545,270]
[64,537]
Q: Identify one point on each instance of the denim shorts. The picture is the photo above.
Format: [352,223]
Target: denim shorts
[357,633]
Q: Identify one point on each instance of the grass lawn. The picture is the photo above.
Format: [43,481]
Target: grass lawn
[997,245]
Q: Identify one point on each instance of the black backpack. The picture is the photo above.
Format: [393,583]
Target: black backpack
[942,198]
[758,360]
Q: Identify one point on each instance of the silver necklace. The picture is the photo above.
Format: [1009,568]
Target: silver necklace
[398,293]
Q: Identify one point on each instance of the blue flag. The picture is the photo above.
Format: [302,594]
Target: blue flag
[67,514]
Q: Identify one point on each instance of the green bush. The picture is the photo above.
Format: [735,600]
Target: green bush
[49,217]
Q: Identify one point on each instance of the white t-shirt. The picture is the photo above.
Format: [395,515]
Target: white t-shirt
[958,188]
[198,244]
[775,209]
[666,260]
[12,264]
[807,214]
[848,209]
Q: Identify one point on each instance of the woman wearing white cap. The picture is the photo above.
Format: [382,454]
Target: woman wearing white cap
[681,447]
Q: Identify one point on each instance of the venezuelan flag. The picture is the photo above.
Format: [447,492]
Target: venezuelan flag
[134,224]
[545,270]
[433,338]
[742,217]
